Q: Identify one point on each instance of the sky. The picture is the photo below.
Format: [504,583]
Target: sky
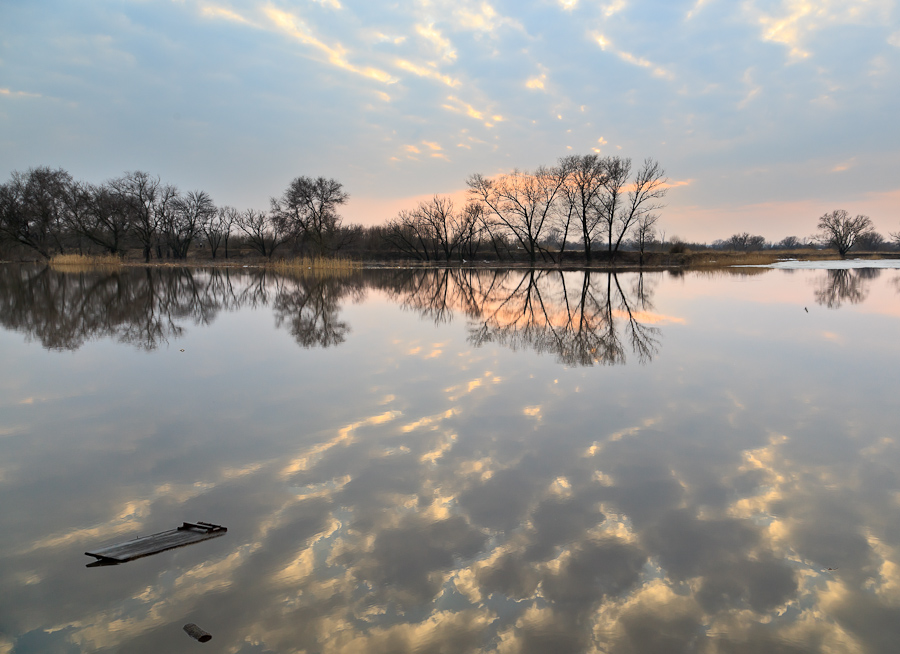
[765,114]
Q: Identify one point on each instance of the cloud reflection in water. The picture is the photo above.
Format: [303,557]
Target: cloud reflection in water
[637,515]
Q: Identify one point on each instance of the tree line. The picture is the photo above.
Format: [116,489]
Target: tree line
[535,214]
[582,207]
[586,199]
[47,212]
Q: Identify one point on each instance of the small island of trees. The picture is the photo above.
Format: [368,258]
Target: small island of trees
[584,210]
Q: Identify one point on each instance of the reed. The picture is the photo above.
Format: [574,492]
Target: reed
[315,266]
[84,262]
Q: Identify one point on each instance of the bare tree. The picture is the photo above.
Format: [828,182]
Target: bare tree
[149,202]
[521,202]
[186,221]
[585,177]
[217,229]
[789,243]
[309,209]
[870,242]
[265,232]
[106,222]
[440,219]
[612,198]
[622,209]
[33,208]
[745,242]
[841,232]
[410,234]
[644,233]
[434,230]
[468,227]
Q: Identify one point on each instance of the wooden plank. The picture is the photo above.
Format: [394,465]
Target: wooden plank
[187,534]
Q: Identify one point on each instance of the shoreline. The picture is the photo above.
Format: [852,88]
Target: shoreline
[655,262]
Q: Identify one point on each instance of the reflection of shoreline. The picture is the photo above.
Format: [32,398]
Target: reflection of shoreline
[145,306]
[584,318]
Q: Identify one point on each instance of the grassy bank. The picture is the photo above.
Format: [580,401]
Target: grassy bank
[602,261]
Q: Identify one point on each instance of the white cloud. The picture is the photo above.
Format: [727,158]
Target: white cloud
[337,55]
[18,94]
[696,9]
[753,89]
[790,22]
[481,17]
[607,46]
[428,71]
[441,44]
[536,83]
[614,7]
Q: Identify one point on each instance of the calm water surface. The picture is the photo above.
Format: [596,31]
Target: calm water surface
[452,462]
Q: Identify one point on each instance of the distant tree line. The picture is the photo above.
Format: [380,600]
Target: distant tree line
[836,229]
[581,208]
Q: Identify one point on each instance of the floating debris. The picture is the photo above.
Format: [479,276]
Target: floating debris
[197,633]
[187,534]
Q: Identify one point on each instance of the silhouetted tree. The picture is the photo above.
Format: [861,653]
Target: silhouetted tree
[434,230]
[265,232]
[841,232]
[308,209]
[186,220]
[585,179]
[217,229]
[33,209]
[644,233]
[870,241]
[148,202]
[745,242]
[520,202]
[106,220]
[622,203]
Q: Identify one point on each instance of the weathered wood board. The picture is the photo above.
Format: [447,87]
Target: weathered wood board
[187,534]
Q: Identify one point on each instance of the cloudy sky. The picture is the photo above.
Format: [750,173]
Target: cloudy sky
[764,113]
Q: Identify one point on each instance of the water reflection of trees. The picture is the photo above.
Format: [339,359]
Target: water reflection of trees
[845,285]
[584,318]
[145,307]
[310,309]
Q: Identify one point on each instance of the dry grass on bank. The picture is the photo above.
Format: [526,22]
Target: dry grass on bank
[720,259]
[315,266]
[85,262]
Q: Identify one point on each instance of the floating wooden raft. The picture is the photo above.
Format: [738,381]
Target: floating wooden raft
[187,534]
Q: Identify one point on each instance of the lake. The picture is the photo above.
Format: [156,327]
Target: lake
[452,461]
